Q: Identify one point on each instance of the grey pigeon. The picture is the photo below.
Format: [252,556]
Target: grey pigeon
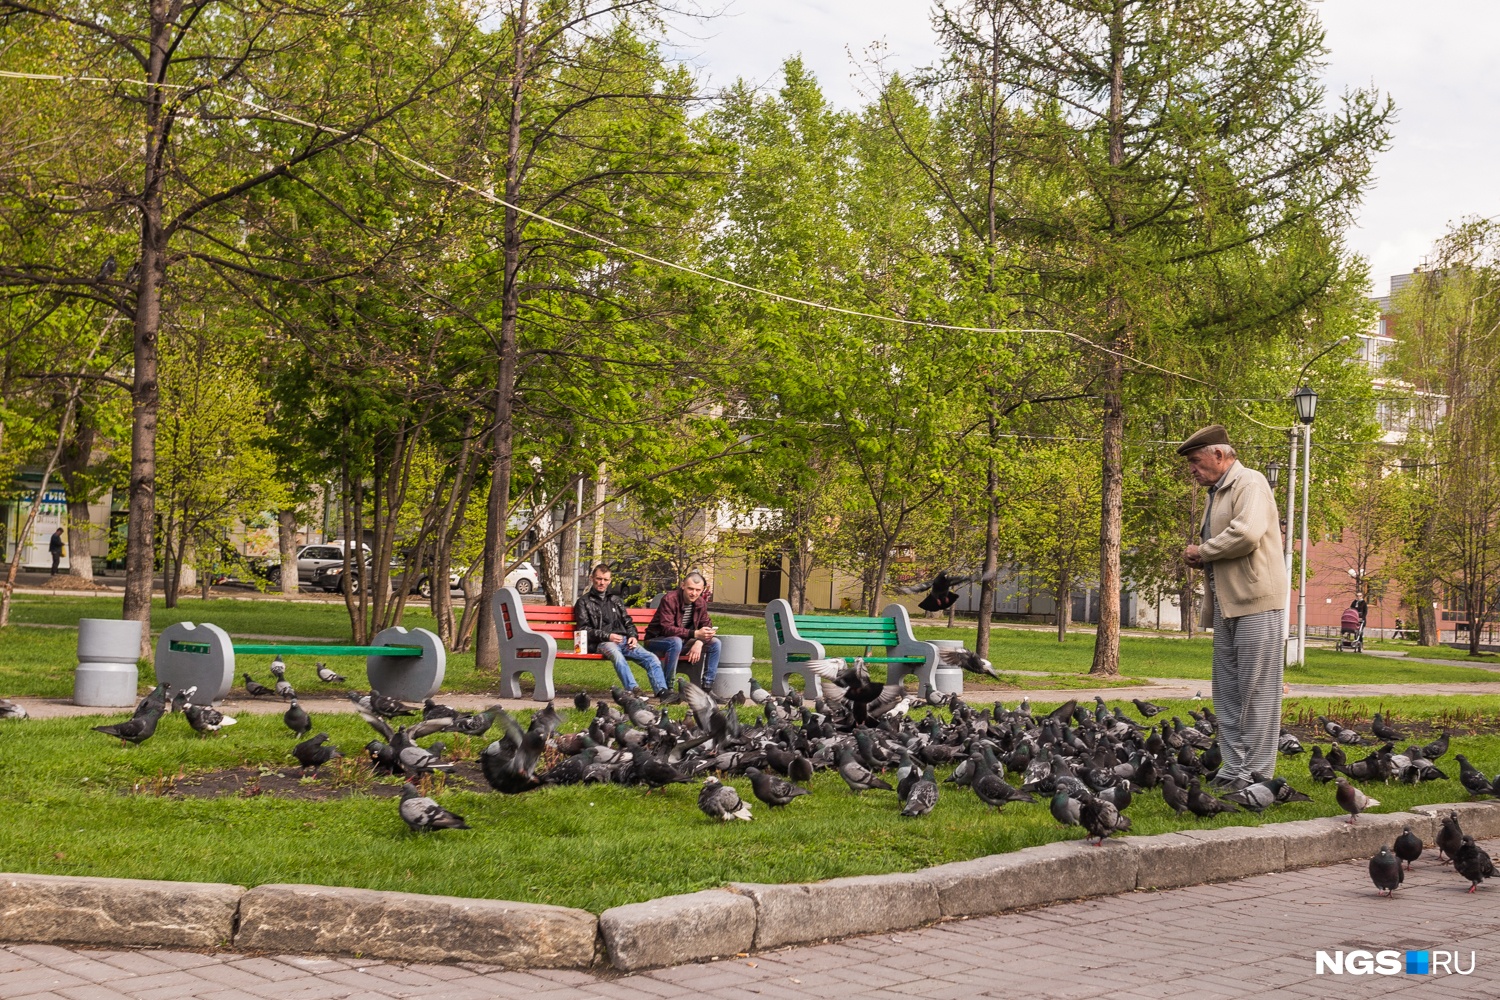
[1259,796]
[1473,863]
[1064,809]
[1385,871]
[924,795]
[1352,800]
[422,813]
[255,688]
[328,676]
[1101,818]
[1408,846]
[137,729]
[968,660]
[10,710]
[316,752]
[720,801]
[277,668]
[1204,805]
[297,720]
[285,690]
[206,719]
[419,760]
[772,790]
[856,775]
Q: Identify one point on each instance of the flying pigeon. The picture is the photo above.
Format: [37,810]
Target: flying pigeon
[924,795]
[421,813]
[1385,871]
[316,752]
[297,720]
[1408,846]
[328,676]
[1352,800]
[941,596]
[772,790]
[969,660]
[255,689]
[720,801]
[1473,863]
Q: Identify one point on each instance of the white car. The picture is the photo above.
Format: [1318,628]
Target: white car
[524,578]
[311,559]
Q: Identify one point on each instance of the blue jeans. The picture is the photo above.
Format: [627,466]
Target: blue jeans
[618,654]
[669,648]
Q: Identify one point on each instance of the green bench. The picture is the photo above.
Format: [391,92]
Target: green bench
[796,639]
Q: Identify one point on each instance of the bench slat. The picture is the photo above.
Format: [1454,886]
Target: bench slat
[294,649]
[841,620]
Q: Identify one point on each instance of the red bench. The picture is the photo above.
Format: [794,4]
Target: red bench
[530,637]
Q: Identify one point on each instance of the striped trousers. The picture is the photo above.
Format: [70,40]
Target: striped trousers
[1249,652]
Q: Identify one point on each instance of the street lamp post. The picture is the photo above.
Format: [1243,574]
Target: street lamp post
[1307,408]
[1286,541]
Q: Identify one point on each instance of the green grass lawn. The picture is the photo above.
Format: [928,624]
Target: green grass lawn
[1430,652]
[72,808]
[39,662]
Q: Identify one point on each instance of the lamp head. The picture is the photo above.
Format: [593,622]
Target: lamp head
[1273,474]
[1307,404]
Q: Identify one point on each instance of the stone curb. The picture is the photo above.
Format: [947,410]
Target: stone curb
[672,930]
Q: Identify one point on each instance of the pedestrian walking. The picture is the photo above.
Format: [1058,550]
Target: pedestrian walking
[55,546]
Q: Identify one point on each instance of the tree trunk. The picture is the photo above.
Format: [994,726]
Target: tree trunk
[1111,507]
[1064,599]
[497,511]
[286,539]
[1427,624]
[80,540]
[1185,601]
[74,464]
[145,397]
[991,554]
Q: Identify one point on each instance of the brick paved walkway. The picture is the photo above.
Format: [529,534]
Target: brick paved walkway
[1250,938]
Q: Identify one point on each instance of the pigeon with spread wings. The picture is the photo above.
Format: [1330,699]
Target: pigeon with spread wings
[940,593]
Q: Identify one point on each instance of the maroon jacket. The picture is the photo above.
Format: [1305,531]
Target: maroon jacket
[668,618]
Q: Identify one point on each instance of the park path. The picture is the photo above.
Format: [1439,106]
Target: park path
[1248,938]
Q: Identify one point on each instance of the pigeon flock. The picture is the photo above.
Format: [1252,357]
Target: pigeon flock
[1088,765]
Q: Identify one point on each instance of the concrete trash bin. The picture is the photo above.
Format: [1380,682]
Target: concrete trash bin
[108,650]
[949,680]
[736,654]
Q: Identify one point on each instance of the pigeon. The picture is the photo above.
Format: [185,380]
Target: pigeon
[968,660]
[255,689]
[1472,778]
[1065,809]
[772,790]
[1436,748]
[474,725]
[1385,871]
[1450,838]
[297,720]
[285,690]
[155,701]
[383,760]
[206,719]
[509,763]
[1145,707]
[1472,863]
[581,701]
[940,593]
[328,676]
[383,705]
[137,729]
[10,710]
[1174,795]
[1204,805]
[924,795]
[422,760]
[277,668]
[856,775]
[1352,800]
[1101,818]
[432,710]
[720,801]
[1339,734]
[422,813]
[1259,796]
[1288,743]
[181,698]
[1381,728]
[316,752]
[1408,846]
[1319,767]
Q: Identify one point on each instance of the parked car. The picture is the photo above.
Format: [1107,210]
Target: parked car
[311,560]
[524,578]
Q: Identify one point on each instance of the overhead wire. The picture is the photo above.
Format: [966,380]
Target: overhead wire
[604,240]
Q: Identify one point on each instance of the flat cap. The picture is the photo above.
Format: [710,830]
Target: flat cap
[1203,437]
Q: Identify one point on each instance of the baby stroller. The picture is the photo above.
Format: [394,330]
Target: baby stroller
[1352,630]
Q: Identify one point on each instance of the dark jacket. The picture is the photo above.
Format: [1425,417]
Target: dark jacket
[56,544]
[602,614]
[668,618]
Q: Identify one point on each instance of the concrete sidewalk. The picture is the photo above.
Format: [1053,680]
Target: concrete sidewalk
[1247,938]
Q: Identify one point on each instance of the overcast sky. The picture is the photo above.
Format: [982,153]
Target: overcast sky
[1437,59]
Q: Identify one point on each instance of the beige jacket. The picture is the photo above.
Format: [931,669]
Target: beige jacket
[1242,545]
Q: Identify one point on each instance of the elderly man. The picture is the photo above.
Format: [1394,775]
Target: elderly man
[1241,557]
[682,623]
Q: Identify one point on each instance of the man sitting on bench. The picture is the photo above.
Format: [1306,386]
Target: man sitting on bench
[682,623]
[612,633]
